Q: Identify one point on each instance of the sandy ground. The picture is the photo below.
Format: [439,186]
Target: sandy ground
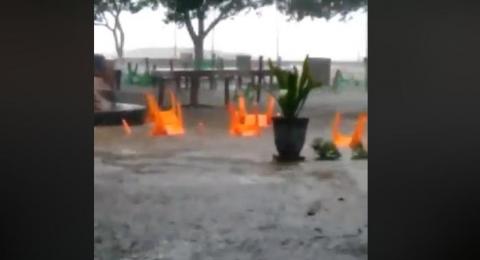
[211,196]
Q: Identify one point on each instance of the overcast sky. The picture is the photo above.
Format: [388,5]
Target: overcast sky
[249,33]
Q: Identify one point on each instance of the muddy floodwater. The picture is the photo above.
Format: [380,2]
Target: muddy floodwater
[207,195]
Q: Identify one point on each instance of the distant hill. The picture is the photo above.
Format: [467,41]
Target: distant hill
[165,53]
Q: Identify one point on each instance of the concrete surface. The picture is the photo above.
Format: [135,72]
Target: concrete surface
[211,196]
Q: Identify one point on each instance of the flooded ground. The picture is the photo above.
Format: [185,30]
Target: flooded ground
[206,195]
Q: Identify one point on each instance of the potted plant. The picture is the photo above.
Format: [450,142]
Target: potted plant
[290,129]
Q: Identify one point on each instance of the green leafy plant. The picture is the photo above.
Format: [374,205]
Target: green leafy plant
[326,150]
[359,152]
[294,88]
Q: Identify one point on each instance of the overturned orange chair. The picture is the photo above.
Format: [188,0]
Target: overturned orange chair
[165,122]
[342,140]
[241,127]
[262,119]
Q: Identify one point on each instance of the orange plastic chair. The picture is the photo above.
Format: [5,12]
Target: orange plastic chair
[239,128]
[342,140]
[152,107]
[264,119]
[165,122]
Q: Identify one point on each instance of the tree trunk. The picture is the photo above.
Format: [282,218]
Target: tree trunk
[122,42]
[195,81]
[118,42]
[198,43]
[118,35]
[194,91]
[120,52]
[198,51]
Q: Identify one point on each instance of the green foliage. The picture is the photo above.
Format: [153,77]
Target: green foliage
[114,7]
[359,152]
[299,9]
[296,9]
[177,9]
[294,88]
[326,150]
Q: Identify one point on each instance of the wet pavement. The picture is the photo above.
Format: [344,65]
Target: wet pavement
[207,195]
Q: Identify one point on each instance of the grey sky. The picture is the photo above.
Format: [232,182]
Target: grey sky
[249,33]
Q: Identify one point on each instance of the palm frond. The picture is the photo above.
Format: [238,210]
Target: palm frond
[297,88]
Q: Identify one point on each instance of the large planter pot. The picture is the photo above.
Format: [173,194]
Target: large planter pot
[289,137]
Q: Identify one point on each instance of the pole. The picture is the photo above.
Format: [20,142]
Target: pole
[277,38]
[213,41]
[175,41]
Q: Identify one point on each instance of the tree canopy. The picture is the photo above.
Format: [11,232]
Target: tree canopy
[113,7]
[182,12]
[299,9]
[177,9]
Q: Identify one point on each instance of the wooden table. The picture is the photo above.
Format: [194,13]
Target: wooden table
[161,75]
